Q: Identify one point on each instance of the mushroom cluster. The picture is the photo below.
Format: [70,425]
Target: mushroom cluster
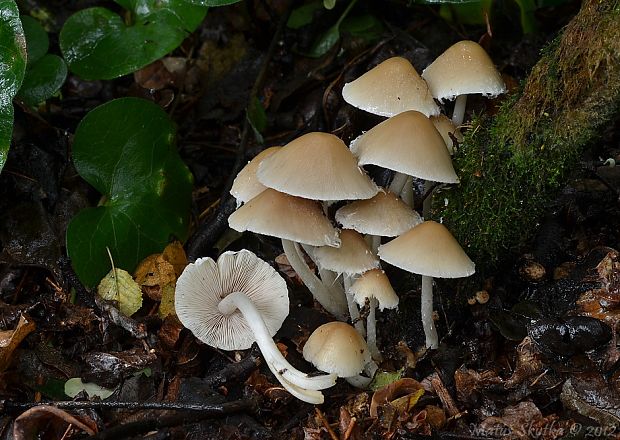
[286,192]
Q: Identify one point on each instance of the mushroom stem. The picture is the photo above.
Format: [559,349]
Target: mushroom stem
[309,396]
[353,310]
[398,182]
[371,330]
[427,203]
[406,194]
[426,307]
[360,381]
[320,292]
[253,318]
[328,277]
[458,114]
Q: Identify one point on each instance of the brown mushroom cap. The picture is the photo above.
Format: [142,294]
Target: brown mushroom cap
[203,284]
[284,216]
[316,166]
[353,256]
[464,68]
[336,347]
[374,284]
[408,143]
[390,88]
[428,249]
[385,214]
[246,185]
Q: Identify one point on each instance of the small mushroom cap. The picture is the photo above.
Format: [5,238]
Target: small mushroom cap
[428,249]
[336,347]
[374,284]
[463,68]
[385,214]
[203,284]
[284,216]
[408,143]
[390,88]
[246,185]
[316,166]
[446,127]
[353,256]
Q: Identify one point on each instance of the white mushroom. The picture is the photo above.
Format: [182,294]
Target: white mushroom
[238,301]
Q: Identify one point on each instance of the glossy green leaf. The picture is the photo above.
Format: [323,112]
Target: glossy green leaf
[37,41]
[367,27]
[43,79]
[12,68]
[325,42]
[257,118]
[98,44]
[303,15]
[126,150]
[329,4]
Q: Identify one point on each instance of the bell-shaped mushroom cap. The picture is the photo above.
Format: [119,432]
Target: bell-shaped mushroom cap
[246,186]
[353,256]
[316,166]
[408,143]
[336,347]
[374,284]
[284,216]
[446,128]
[428,249]
[385,215]
[203,284]
[462,69]
[390,88]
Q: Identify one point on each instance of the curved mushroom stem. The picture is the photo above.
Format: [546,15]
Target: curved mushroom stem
[353,310]
[430,332]
[328,278]
[398,182]
[458,114]
[371,330]
[333,304]
[254,320]
[406,194]
[310,396]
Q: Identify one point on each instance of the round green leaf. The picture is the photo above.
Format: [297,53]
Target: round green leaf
[97,44]
[125,149]
[43,79]
[37,41]
[12,68]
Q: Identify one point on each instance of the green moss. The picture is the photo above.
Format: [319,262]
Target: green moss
[512,166]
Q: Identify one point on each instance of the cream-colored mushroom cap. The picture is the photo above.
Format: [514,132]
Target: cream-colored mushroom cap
[390,88]
[385,214]
[203,284]
[246,185]
[408,143]
[353,256]
[446,127]
[284,216]
[428,249]
[374,284]
[336,347]
[316,166]
[463,68]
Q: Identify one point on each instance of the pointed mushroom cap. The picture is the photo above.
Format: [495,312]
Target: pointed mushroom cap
[246,185]
[284,216]
[374,284]
[446,127]
[390,88]
[316,166]
[353,256]
[336,347]
[203,284]
[428,249]
[463,68]
[408,143]
[385,214]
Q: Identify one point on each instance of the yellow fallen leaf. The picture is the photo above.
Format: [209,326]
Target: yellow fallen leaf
[119,286]
[167,301]
[10,339]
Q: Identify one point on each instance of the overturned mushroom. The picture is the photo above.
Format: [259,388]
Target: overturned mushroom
[239,300]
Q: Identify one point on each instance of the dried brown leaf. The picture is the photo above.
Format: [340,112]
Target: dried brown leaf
[10,339]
